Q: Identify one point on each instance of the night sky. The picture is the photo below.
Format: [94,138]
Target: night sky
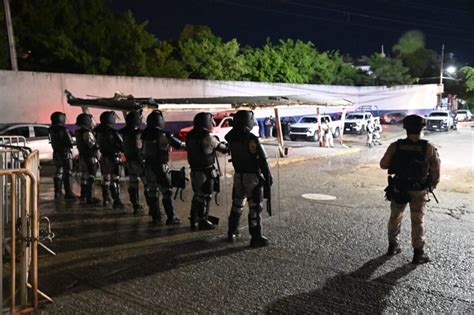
[356,27]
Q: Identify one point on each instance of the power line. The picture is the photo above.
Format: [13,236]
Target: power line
[373,17]
[282,12]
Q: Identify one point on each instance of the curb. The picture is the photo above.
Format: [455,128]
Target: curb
[287,161]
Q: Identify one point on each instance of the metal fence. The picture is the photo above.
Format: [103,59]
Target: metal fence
[19,225]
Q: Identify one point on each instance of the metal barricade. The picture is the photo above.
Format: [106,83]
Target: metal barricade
[20,228]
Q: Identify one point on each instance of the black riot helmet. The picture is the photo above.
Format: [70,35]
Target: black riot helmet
[413,124]
[108,118]
[134,118]
[203,120]
[58,118]
[244,120]
[84,120]
[155,119]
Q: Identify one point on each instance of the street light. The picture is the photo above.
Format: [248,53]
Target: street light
[451,69]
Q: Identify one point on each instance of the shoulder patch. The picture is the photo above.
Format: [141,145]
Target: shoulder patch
[253,146]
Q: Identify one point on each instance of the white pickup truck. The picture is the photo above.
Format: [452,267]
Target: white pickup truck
[307,128]
[356,122]
[440,120]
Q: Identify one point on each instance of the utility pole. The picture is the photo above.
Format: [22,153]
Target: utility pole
[442,65]
[11,38]
[441,87]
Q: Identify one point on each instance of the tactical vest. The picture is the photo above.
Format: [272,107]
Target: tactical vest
[132,142]
[60,138]
[86,143]
[110,142]
[155,146]
[410,164]
[197,157]
[239,144]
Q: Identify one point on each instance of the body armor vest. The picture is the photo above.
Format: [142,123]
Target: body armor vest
[60,138]
[243,160]
[195,145]
[86,143]
[132,142]
[410,164]
[109,140]
[155,146]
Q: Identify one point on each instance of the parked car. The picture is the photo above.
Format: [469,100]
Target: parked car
[357,122]
[440,120]
[393,118]
[36,137]
[221,126]
[307,128]
[463,115]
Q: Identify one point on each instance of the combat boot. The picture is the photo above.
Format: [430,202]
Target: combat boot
[193,216]
[233,231]
[68,194]
[90,199]
[204,223]
[58,183]
[115,192]
[154,210]
[419,256]
[393,249]
[105,195]
[134,199]
[169,210]
[82,197]
[255,229]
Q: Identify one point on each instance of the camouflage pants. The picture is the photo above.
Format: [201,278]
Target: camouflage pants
[417,212]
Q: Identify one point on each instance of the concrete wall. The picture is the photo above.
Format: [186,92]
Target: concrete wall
[33,96]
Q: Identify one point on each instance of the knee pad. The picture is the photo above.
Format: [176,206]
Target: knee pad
[254,211]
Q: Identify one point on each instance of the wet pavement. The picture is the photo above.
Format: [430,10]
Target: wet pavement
[327,256]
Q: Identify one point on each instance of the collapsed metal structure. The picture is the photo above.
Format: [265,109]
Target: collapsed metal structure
[127,103]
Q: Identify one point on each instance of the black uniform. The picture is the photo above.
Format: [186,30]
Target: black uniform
[110,145]
[132,147]
[156,145]
[88,156]
[62,143]
[201,147]
[251,170]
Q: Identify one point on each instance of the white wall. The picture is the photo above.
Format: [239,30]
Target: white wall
[33,96]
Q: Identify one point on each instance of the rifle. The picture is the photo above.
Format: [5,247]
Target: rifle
[217,180]
[430,190]
[267,194]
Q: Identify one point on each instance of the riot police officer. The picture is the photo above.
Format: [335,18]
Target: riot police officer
[201,147]
[415,165]
[132,147]
[62,143]
[156,146]
[88,157]
[250,163]
[110,145]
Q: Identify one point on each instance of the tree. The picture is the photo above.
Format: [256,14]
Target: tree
[387,71]
[82,36]
[410,49]
[469,73]
[205,56]
[163,63]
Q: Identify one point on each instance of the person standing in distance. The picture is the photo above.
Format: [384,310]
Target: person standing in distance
[132,147]
[415,165]
[110,145]
[201,147]
[250,163]
[62,143]
[156,147]
[88,157]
